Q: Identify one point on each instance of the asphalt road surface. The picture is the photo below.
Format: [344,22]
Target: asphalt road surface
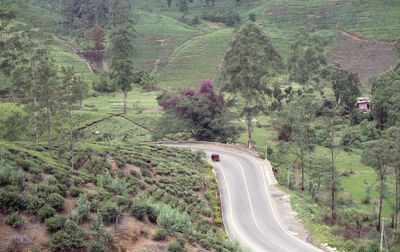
[249,214]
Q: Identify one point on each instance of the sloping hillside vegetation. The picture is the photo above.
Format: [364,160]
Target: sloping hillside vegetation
[90,204]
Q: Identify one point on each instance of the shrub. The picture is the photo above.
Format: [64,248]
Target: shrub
[96,246]
[60,241]
[56,201]
[152,214]
[139,209]
[124,202]
[45,212]
[55,223]
[81,212]
[171,219]
[75,192]
[78,238]
[14,220]
[34,203]
[10,175]
[62,176]
[11,200]
[110,212]
[175,247]
[159,235]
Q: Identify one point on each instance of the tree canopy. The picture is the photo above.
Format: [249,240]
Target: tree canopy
[249,64]
[202,114]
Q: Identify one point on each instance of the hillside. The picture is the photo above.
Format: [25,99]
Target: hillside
[124,193]
[134,187]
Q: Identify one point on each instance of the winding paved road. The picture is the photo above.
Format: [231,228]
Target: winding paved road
[249,214]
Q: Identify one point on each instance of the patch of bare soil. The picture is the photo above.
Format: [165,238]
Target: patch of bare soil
[367,58]
[129,236]
[69,205]
[111,161]
[22,239]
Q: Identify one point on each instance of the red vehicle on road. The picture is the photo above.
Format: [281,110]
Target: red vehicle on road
[215,157]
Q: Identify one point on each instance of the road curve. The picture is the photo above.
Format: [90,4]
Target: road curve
[249,213]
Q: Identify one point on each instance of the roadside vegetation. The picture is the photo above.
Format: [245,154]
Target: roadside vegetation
[86,85]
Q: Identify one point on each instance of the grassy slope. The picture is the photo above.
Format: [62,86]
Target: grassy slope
[144,169]
[197,60]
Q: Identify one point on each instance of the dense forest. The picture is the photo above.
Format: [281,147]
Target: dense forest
[88,86]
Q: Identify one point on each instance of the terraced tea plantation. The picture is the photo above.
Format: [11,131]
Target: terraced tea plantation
[107,187]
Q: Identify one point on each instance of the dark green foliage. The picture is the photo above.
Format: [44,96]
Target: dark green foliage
[124,202]
[345,87]
[45,212]
[10,175]
[176,247]
[75,192]
[55,223]
[14,126]
[252,17]
[385,98]
[62,176]
[228,18]
[34,203]
[110,212]
[139,209]
[249,65]
[60,241]
[56,201]
[202,114]
[96,246]
[11,199]
[14,220]
[160,234]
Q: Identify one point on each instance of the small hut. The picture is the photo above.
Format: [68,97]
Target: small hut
[363,104]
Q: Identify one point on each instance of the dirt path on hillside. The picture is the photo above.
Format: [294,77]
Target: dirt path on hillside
[354,36]
[133,122]
[76,52]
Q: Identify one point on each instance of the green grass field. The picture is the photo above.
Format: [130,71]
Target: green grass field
[136,101]
[196,61]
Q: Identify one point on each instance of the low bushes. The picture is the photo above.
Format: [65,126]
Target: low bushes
[14,220]
[160,234]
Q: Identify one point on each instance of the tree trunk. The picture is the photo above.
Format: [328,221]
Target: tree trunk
[35,128]
[48,125]
[333,210]
[80,107]
[381,195]
[249,124]
[333,178]
[302,171]
[249,129]
[397,197]
[71,139]
[125,94]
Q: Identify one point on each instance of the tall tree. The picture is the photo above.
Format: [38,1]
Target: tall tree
[97,36]
[345,86]
[394,134]
[73,90]
[203,114]
[121,49]
[385,98]
[378,154]
[306,58]
[333,178]
[303,135]
[249,64]
[47,88]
